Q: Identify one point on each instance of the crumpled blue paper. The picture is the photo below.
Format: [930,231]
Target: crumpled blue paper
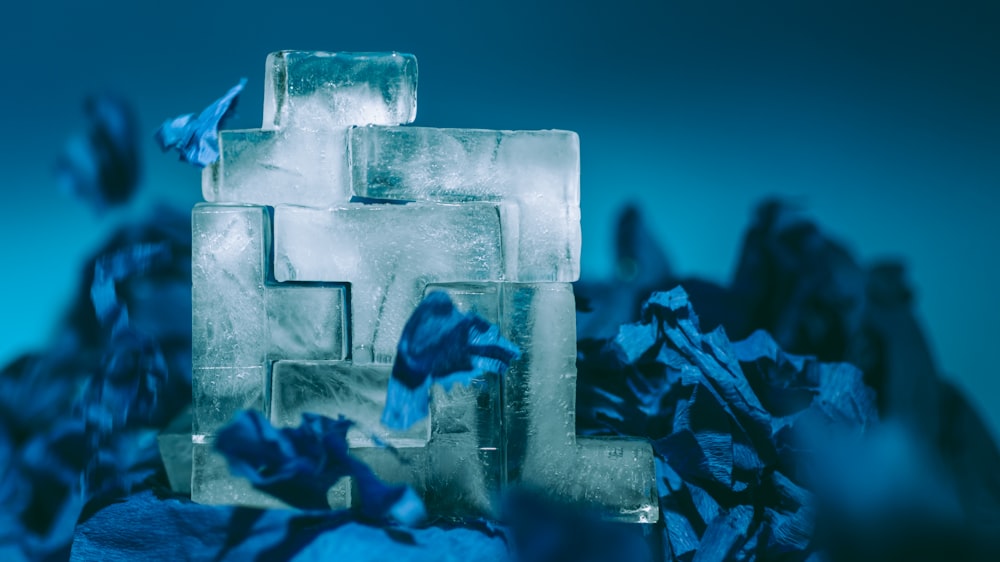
[101,165]
[196,137]
[441,345]
[299,466]
[723,418]
[147,527]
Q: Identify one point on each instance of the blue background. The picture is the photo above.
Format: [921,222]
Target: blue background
[881,117]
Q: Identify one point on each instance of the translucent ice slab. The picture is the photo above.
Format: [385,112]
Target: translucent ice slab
[218,393]
[614,475]
[388,253]
[534,174]
[317,90]
[335,388]
[229,245]
[306,321]
[270,167]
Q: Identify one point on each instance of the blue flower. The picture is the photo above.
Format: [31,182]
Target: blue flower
[441,345]
[196,137]
[300,465]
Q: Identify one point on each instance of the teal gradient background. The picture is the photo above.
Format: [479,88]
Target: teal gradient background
[881,117]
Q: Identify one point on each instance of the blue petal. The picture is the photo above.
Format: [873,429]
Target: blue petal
[197,137]
[300,465]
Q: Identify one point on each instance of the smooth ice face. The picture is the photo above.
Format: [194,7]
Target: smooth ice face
[535,175]
[616,476]
[306,321]
[219,393]
[335,388]
[270,167]
[317,91]
[229,244]
[242,322]
[388,253]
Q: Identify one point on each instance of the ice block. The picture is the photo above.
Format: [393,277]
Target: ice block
[271,167]
[534,175]
[319,91]
[229,247]
[388,253]
[615,476]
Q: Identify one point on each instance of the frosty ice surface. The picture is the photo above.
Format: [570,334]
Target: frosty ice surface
[324,230]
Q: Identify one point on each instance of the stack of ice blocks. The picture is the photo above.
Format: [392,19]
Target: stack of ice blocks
[321,233]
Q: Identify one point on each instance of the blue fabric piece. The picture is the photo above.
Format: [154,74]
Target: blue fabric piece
[439,344]
[101,165]
[299,465]
[196,137]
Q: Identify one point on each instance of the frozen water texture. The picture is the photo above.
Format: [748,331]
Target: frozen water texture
[271,167]
[318,91]
[306,321]
[535,175]
[614,475]
[227,275]
[213,484]
[334,388]
[388,253]
[218,393]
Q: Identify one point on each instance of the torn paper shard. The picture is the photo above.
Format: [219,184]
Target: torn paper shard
[319,91]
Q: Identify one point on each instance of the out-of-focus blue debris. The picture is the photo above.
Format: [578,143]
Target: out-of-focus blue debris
[812,298]
[101,165]
[441,345]
[299,466]
[78,422]
[147,527]
[196,137]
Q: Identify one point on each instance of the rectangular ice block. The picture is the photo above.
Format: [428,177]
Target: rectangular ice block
[229,248]
[218,393]
[271,167]
[318,90]
[388,253]
[306,321]
[535,175]
[613,475]
[339,388]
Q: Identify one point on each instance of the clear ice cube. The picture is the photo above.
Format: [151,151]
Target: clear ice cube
[319,91]
[614,475]
[306,321]
[388,253]
[219,393]
[535,175]
[271,167]
[229,244]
